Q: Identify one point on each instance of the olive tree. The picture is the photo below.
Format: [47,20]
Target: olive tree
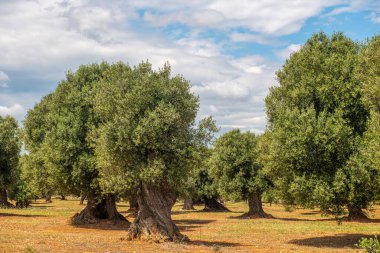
[199,186]
[145,141]
[363,170]
[59,135]
[368,73]
[9,157]
[237,173]
[316,121]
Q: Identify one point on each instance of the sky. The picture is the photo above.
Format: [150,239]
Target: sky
[228,50]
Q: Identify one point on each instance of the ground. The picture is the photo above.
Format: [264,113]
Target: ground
[46,228]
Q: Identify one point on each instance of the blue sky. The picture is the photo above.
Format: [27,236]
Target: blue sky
[229,50]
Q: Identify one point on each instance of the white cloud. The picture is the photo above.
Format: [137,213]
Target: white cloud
[199,18]
[3,79]
[11,102]
[264,16]
[249,37]
[229,90]
[200,47]
[213,109]
[375,18]
[45,38]
[208,17]
[270,16]
[13,110]
[285,53]
[250,64]
[350,6]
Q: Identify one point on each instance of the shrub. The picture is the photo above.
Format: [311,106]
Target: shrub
[371,245]
[23,195]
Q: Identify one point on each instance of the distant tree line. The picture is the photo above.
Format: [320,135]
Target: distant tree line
[111,132]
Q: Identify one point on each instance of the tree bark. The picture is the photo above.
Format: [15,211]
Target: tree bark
[22,204]
[356,213]
[112,213]
[99,208]
[255,207]
[82,198]
[188,204]
[48,198]
[4,199]
[133,204]
[153,221]
[213,205]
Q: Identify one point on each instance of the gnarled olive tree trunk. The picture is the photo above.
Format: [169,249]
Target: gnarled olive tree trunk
[48,198]
[256,207]
[213,205]
[153,221]
[356,213]
[133,204]
[188,204]
[4,199]
[99,208]
[82,198]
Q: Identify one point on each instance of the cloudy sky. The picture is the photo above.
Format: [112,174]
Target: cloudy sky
[229,50]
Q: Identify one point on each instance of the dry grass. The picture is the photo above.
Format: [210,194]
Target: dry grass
[45,228]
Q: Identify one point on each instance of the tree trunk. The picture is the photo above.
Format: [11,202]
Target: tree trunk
[188,204]
[112,213]
[97,209]
[356,213]
[22,204]
[133,205]
[48,198]
[4,199]
[153,221]
[213,205]
[82,198]
[255,207]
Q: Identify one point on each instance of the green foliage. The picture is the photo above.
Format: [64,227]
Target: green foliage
[58,134]
[9,152]
[316,122]
[36,176]
[363,168]
[199,183]
[107,127]
[22,194]
[234,165]
[370,245]
[204,183]
[368,72]
[147,126]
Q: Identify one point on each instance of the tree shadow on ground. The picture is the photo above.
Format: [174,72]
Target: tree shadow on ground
[369,220]
[298,219]
[185,211]
[213,244]
[20,215]
[190,225]
[311,213]
[40,207]
[190,221]
[335,241]
[332,219]
[246,216]
[104,225]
